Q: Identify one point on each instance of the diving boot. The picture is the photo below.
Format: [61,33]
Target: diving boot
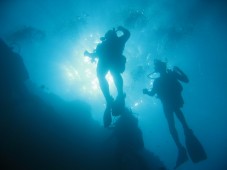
[118,106]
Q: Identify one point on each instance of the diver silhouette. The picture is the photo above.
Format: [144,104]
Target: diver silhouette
[168,89]
[110,59]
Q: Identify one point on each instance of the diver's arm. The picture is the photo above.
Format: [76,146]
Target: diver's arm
[88,54]
[180,74]
[92,55]
[126,33]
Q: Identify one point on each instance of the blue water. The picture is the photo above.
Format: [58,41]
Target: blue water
[51,37]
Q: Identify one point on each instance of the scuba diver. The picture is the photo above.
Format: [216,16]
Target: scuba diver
[110,58]
[168,89]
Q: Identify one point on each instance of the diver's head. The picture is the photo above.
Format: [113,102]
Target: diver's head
[111,34]
[159,66]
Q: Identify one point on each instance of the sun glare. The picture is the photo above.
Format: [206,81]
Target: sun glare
[79,73]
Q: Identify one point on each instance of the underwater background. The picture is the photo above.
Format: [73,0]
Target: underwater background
[55,122]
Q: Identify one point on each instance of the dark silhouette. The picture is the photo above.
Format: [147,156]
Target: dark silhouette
[168,89]
[39,130]
[13,74]
[130,152]
[110,58]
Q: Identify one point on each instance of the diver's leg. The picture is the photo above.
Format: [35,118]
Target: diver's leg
[119,103]
[170,119]
[118,81]
[101,73]
[182,153]
[182,119]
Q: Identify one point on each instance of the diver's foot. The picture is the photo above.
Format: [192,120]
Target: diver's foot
[182,157]
[107,119]
[118,106]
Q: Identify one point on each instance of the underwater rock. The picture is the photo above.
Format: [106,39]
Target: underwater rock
[35,134]
[124,148]
[13,74]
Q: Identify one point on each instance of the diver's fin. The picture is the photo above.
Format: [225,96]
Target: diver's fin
[118,106]
[182,157]
[194,147]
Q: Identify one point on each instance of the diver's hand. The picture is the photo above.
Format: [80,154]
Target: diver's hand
[87,54]
[145,91]
[126,33]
